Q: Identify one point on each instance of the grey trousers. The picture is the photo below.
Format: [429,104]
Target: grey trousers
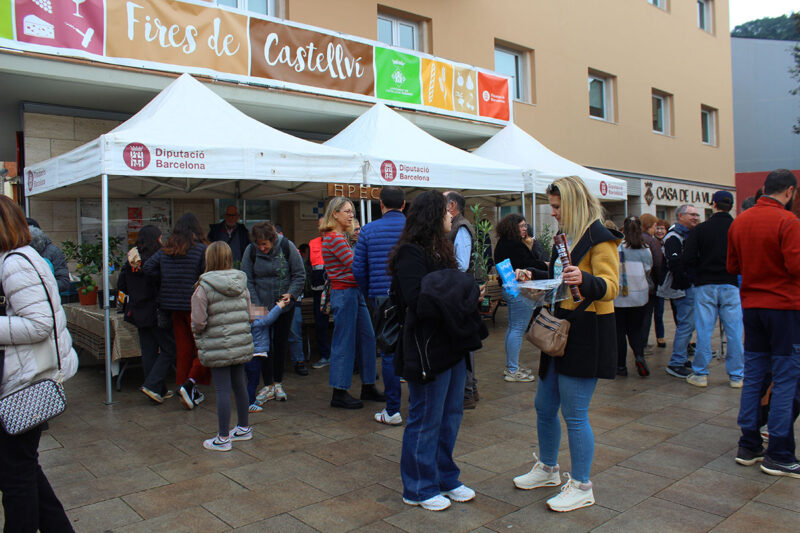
[471,385]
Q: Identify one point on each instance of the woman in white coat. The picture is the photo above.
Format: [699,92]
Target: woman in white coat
[29,503]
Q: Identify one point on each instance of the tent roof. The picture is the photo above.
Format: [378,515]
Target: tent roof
[383,136]
[187,131]
[514,146]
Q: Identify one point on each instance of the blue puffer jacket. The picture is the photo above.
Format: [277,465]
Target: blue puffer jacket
[375,244]
[178,274]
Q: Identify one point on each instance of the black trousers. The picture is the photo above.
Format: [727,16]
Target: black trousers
[629,329]
[279,346]
[29,502]
[158,356]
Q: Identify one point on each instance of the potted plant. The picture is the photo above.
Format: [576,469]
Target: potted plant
[482,251]
[89,260]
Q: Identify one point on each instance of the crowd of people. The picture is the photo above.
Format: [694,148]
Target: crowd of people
[223,307]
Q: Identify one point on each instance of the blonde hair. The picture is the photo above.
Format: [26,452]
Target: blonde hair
[219,256]
[579,207]
[336,204]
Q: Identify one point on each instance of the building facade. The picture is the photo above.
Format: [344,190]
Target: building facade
[637,89]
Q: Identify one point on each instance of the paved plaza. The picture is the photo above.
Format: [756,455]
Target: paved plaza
[663,461]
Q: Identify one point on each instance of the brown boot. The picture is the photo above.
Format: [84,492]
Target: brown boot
[469,403]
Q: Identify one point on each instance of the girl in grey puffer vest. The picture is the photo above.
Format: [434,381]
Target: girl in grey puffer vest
[221,325]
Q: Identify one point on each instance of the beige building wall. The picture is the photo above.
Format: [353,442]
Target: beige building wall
[643,46]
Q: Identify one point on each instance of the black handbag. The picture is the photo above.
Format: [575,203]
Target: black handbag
[387,322]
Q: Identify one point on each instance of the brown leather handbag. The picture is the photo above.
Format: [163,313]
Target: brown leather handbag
[549,333]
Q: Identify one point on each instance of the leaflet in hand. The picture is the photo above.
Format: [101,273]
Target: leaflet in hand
[544,291]
[506,273]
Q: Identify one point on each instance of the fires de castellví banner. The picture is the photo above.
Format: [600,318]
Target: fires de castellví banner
[202,39]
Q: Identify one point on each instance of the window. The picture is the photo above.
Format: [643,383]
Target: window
[662,4]
[601,96]
[662,112]
[399,32]
[264,7]
[514,63]
[705,14]
[708,125]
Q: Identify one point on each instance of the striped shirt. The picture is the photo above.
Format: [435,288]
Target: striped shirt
[338,258]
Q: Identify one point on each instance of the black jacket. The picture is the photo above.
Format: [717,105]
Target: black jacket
[442,323]
[519,254]
[177,275]
[142,291]
[706,251]
[238,239]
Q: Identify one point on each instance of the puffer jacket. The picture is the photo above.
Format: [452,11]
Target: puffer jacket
[221,319]
[29,323]
[272,274]
[375,243]
[42,244]
[177,275]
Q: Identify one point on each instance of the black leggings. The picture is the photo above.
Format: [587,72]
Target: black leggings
[279,346]
[630,321]
[226,378]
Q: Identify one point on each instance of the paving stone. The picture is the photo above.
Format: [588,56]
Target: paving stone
[459,517]
[635,436]
[620,488]
[755,516]
[669,460]
[501,487]
[95,490]
[783,493]
[187,520]
[707,437]
[610,417]
[200,465]
[709,402]
[277,469]
[675,419]
[655,514]
[499,457]
[352,476]
[197,491]
[726,463]
[284,523]
[102,516]
[352,510]
[239,509]
[536,518]
[345,451]
[713,492]
[66,474]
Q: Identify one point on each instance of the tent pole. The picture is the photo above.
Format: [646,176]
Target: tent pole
[533,201]
[523,205]
[363,218]
[106,310]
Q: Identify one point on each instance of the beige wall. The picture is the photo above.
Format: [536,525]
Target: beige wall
[643,46]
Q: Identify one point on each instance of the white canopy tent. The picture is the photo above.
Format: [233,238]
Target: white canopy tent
[187,139]
[399,153]
[514,146]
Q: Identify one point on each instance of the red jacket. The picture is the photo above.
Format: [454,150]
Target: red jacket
[764,247]
[315,252]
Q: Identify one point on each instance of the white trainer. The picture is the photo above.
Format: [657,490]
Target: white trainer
[265,394]
[538,477]
[384,418]
[280,395]
[219,444]
[460,494]
[436,503]
[571,497]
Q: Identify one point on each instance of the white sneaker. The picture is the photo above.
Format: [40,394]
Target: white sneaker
[571,497]
[538,477]
[518,376]
[280,395]
[384,418]
[240,433]
[697,380]
[264,395]
[460,494]
[437,503]
[218,444]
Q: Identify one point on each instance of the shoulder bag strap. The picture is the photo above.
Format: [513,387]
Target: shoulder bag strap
[49,302]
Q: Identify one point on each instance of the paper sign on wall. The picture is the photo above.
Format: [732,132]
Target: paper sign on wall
[61,23]
[177,33]
[397,76]
[465,90]
[437,84]
[493,96]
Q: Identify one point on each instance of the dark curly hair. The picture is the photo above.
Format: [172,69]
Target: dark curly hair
[425,228]
[147,242]
[186,233]
[508,227]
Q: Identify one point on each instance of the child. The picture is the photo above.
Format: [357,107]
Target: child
[221,325]
[261,335]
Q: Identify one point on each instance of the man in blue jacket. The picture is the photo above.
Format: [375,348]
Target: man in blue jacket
[371,257]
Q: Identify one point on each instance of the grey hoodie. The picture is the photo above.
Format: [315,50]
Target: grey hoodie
[42,244]
[221,318]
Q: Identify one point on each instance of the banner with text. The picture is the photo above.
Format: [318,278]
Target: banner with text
[202,38]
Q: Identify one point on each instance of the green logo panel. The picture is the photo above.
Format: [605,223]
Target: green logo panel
[6,22]
[397,76]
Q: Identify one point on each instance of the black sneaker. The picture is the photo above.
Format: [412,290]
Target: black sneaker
[342,399]
[186,394]
[679,371]
[300,369]
[370,393]
[774,468]
[641,368]
[748,457]
[622,371]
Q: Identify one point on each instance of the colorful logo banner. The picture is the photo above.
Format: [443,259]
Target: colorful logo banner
[177,34]
[6,22]
[78,24]
[397,76]
[465,91]
[280,52]
[493,93]
[437,84]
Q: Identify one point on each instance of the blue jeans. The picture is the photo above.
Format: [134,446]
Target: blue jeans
[772,344]
[391,383]
[352,332]
[683,328]
[711,301]
[296,336]
[434,416]
[658,317]
[573,396]
[520,310]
